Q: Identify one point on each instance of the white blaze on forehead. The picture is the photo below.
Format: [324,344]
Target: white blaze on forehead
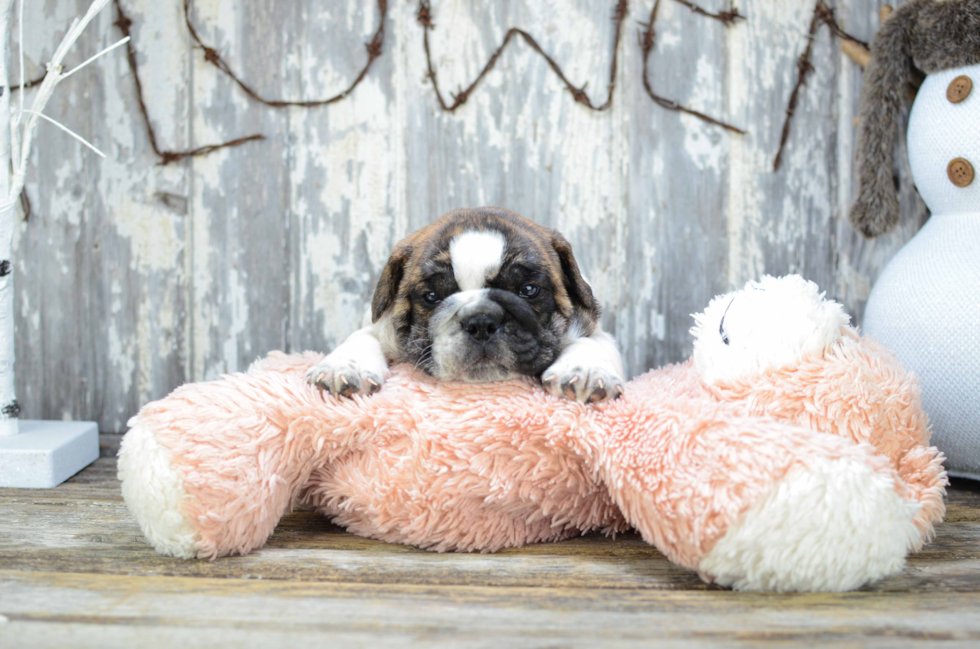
[476,255]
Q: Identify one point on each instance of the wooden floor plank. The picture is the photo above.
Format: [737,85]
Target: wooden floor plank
[573,615]
[75,569]
[84,526]
[951,564]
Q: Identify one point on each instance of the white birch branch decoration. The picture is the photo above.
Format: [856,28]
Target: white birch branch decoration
[16,137]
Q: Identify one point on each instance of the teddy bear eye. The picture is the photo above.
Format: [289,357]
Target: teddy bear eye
[721,325]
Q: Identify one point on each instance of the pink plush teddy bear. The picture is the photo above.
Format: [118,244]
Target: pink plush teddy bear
[789,454]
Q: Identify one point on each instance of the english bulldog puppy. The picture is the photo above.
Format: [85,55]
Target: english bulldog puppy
[479,295]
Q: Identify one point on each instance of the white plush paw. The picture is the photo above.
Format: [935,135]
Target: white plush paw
[344,377]
[154,493]
[582,383]
[833,525]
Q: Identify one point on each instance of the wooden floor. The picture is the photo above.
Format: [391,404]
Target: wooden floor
[75,571]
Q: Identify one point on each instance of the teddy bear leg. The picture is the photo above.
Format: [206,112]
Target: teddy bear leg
[209,470]
[756,504]
[921,468]
[209,493]
[828,525]
[154,492]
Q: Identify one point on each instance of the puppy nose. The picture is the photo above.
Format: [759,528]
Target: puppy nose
[482,327]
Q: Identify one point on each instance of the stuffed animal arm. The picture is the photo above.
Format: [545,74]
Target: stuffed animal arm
[803,465]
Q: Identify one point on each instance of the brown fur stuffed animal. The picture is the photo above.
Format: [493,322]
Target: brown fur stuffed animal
[930,35]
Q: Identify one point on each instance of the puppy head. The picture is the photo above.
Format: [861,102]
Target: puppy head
[768,325]
[482,295]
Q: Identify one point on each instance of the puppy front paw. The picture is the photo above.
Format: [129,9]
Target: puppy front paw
[581,383]
[343,378]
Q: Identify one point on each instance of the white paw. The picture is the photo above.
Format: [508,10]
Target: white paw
[833,525]
[582,383]
[154,492]
[344,377]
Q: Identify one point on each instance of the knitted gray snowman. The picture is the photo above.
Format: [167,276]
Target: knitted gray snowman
[925,306]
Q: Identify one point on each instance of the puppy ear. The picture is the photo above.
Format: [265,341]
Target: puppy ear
[391,278]
[586,307]
[882,94]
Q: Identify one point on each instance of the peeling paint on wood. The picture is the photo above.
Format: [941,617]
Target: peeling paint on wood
[134,278]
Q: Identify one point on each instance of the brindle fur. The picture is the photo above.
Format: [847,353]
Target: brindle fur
[534,333]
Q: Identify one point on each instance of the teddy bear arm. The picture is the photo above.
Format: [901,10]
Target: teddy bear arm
[758,504]
[210,470]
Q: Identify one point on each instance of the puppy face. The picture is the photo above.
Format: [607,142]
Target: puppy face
[482,295]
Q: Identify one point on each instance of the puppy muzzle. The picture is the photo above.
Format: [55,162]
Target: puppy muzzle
[483,335]
[485,318]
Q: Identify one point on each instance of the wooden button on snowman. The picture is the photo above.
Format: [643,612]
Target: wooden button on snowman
[925,305]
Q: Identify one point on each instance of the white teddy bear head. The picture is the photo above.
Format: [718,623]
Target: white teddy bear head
[769,324]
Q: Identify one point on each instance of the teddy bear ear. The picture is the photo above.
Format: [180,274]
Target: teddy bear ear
[875,210]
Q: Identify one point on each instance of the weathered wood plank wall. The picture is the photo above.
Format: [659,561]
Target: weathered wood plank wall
[133,278]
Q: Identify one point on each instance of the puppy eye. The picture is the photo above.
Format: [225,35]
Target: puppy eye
[431,298]
[529,291]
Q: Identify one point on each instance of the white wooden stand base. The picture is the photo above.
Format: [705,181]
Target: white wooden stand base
[46,453]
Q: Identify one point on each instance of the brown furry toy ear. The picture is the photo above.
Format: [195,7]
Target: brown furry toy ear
[585,306]
[386,291]
[925,35]
[876,208]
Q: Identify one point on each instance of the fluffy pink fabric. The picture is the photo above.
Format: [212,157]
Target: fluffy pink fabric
[482,467]
[860,391]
